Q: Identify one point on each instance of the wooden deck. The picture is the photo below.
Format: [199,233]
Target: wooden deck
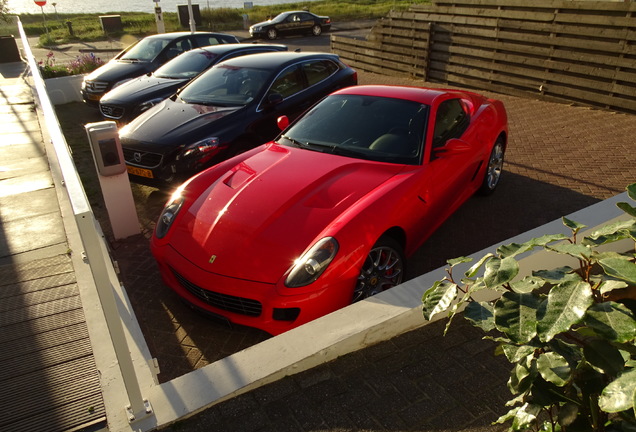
[48,379]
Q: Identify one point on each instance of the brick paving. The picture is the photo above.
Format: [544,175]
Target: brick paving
[560,159]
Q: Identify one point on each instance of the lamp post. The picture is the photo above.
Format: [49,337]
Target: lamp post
[55,9]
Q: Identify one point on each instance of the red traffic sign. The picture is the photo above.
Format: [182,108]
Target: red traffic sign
[40,2]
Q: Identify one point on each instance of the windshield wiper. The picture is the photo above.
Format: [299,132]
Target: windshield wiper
[294,141]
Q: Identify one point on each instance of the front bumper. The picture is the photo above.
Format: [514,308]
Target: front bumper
[257,33]
[244,302]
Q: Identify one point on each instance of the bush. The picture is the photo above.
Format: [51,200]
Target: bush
[570,332]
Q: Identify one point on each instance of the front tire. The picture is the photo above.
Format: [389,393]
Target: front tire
[382,269]
[316,30]
[272,34]
[494,169]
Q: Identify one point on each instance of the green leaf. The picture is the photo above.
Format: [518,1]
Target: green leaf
[610,233]
[566,306]
[481,315]
[576,250]
[612,321]
[604,356]
[619,394]
[500,271]
[516,316]
[522,375]
[609,285]
[515,353]
[620,268]
[557,275]
[549,238]
[574,226]
[475,267]
[631,191]
[438,298]
[568,413]
[571,352]
[554,368]
[525,417]
[459,260]
[627,208]
[527,284]
[513,249]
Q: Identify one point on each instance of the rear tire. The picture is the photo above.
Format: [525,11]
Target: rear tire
[316,30]
[494,168]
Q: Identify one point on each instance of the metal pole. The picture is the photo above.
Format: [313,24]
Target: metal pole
[193,25]
[48,37]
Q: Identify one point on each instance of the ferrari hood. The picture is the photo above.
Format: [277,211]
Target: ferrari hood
[262,214]
[171,123]
[142,89]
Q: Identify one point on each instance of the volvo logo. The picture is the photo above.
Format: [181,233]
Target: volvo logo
[137,157]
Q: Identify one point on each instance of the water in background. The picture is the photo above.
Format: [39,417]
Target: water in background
[107,6]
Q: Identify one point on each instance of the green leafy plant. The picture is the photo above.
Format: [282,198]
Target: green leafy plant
[569,332]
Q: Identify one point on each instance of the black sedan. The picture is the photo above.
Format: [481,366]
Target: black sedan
[230,108]
[127,101]
[145,55]
[288,23]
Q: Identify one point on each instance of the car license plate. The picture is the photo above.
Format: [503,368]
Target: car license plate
[91,96]
[141,172]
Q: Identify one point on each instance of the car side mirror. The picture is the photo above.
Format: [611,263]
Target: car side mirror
[282,122]
[274,99]
[453,146]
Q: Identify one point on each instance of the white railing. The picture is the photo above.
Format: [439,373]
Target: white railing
[95,249]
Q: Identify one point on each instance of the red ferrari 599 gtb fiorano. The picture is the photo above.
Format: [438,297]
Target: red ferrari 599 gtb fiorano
[324,215]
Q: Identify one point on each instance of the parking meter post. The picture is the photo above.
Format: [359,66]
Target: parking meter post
[161,26]
[113,178]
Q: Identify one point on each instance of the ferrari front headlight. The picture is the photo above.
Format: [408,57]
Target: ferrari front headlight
[168,215]
[313,263]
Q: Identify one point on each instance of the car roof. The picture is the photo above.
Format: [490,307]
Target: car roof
[225,48]
[175,35]
[276,59]
[418,94]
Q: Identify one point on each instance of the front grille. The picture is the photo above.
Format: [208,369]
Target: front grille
[145,159]
[112,111]
[95,86]
[226,302]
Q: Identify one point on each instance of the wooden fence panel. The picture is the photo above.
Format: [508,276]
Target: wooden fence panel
[565,50]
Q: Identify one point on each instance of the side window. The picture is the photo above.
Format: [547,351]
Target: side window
[206,40]
[451,122]
[288,83]
[318,70]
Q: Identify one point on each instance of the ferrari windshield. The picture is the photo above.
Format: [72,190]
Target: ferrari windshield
[366,127]
[187,65]
[225,85]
